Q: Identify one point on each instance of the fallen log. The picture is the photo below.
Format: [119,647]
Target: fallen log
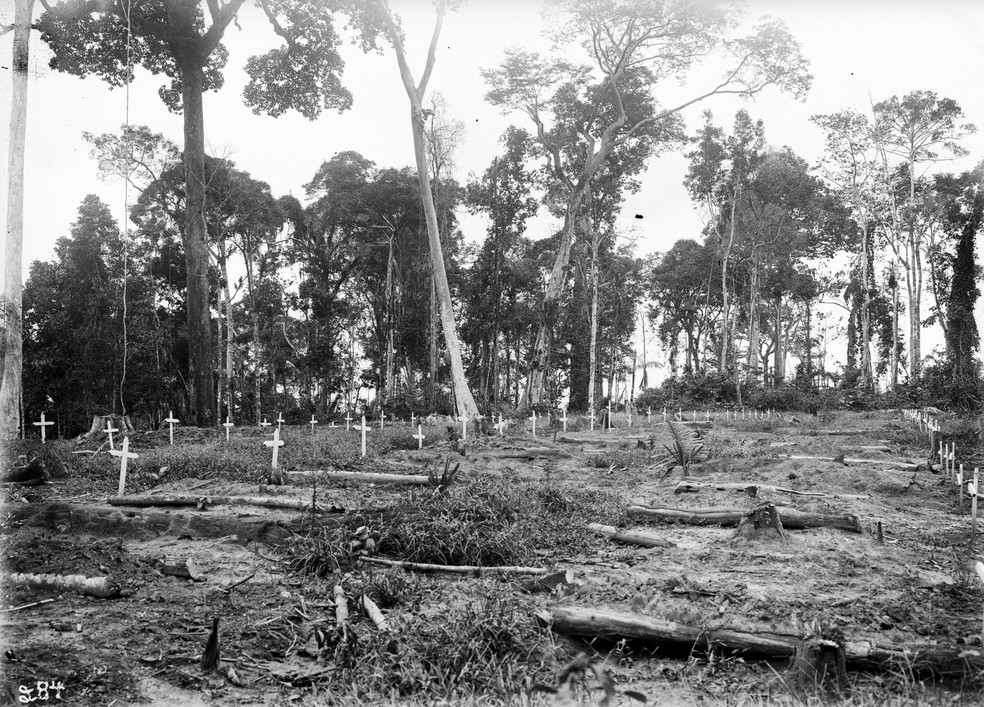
[202,502]
[908,466]
[373,612]
[752,489]
[114,521]
[628,537]
[862,655]
[183,567]
[834,433]
[453,569]
[101,587]
[529,453]
[323,475]
[791,519]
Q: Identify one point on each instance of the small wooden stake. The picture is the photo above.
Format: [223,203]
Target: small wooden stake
[123,454]
[533,420]
[42,425]
[110,430]
[420,436]
[608,409]
[649,415]
[363,428]
[980,573]
[464,428]
[277,443]
[171,421]
[313,422]
[972,488]
[564,419]
[382,417]
[591,416]
[960,478]
[664,413]
[228,425]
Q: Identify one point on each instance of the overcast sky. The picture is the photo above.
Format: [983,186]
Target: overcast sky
[856,47]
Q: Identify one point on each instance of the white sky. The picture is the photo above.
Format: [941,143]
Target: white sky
[883,46]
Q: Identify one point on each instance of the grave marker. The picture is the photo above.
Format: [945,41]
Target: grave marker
[564,419]
[265,424]
[277,443]
[533,420]
[363,428]
[280,420]
[348,419]
[43,424]
[420,436]
[591,417]
[972,489]
[124,454]
[171,421]
[228,425]
[501,426]
[110,430]
[313,422]
[382,416]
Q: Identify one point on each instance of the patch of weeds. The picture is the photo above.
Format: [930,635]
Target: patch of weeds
[488,647]
[392,587]
[327,550]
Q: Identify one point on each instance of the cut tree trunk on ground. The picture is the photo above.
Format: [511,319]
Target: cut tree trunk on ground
[791,519]
[587,439]
[102,587]
[529,453]
[113,521]
[183,567]
[761,523]
[834,433]
[203,502]
[908,466]
[863,655]
[628,537]
[752,489]
[546,583]
[413,479]
[453,569]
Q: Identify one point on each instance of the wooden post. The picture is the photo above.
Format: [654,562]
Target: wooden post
[171,421]
[110,430]
[960,479]
[420,437]
[313,422]
[277,443]
[972,488]
[228,425]
[649,415]
[123,454]
[501,426]
[363,428]
[628,412]
[980,573]
[608,409]
[464,427]
[533,420]
[382,417]
[413,419]
[564,419]
[348,420]
[591,417]
[953,455]
[664,413]
[43,424]
[280,420]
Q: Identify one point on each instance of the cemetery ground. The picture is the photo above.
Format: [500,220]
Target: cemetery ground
[680,607]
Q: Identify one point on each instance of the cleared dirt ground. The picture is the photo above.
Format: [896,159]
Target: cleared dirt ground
[917,587]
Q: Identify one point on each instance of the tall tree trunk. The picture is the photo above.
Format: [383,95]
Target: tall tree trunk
[753,322]
[893,283]
[465,402]
[867,370]
[10,387]
[551,305]
[593,349]
[644,383]
[200,379]
[725,303]
[258,369]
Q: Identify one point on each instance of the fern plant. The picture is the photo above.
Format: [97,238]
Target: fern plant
[684,447]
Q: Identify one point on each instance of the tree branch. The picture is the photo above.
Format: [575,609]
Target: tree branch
[432,50]
[277,27]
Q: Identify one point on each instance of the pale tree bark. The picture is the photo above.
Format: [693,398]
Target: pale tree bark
[10,387]
[867,371]
[415,93]
[593,349]
[753,321]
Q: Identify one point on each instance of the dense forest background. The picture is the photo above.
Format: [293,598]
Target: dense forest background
[812,282]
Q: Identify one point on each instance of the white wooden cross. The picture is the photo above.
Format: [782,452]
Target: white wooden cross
[413,419]
[123,454]
[564,419]
[501,426]
[228,424]
[348,420]
[277,443]
[629,413]
[363,428]
[548,417]
[313,422]
[972,489]
[280,419]
[332,424]
[110,430]
[265,424]
[464,427]
[695,415]
[533,420]
[43,424]
[420,436]
[171,421]
[591,417]
[707,415]
[382,416]
[649,415]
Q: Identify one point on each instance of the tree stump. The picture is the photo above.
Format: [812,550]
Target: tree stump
[97,432]
[820,665]
[761,523]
